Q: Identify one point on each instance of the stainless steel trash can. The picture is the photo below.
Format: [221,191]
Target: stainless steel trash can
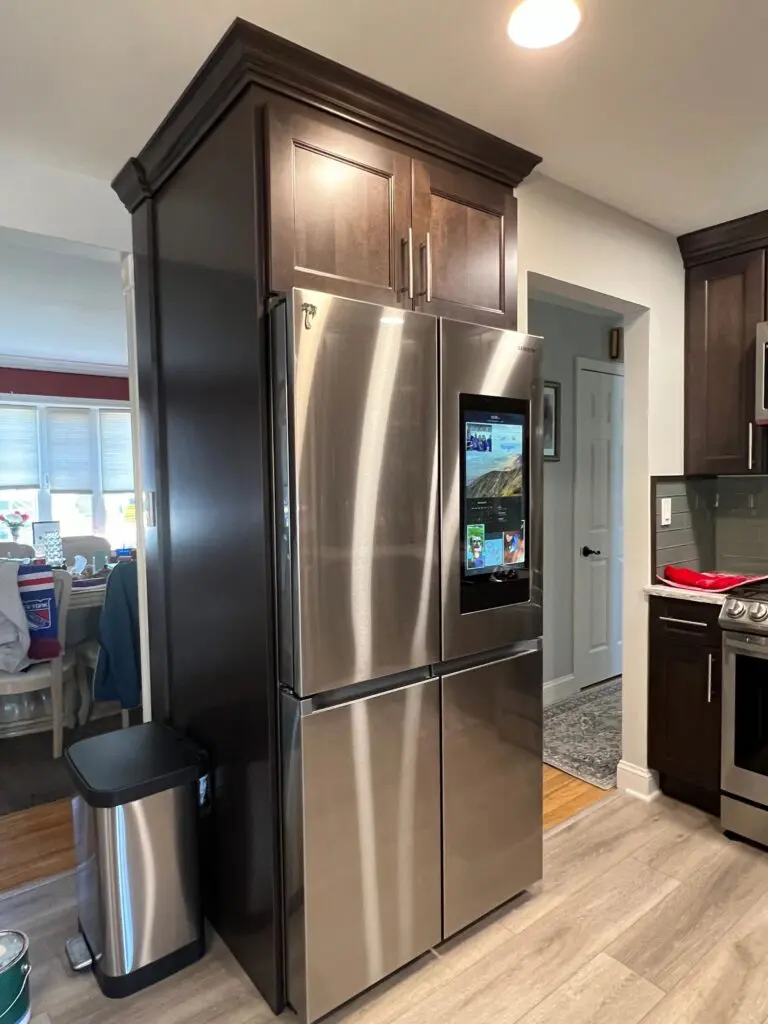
[135,818]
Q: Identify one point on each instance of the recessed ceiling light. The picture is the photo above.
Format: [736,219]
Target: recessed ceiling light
[535,24]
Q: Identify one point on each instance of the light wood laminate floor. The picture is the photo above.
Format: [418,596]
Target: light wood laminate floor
[645,914]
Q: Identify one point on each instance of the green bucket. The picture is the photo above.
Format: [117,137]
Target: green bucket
[14,978]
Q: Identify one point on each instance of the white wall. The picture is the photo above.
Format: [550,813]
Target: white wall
[567,333]
[636,270]
[51,201]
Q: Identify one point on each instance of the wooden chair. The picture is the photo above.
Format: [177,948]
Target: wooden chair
[52,673]
[10,549]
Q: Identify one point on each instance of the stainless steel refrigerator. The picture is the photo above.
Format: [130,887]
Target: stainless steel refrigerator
[408,489]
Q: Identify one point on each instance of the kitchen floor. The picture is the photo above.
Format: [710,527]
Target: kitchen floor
[38,843]
[646,913]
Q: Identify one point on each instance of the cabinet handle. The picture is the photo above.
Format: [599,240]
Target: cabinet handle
[429,266]
[683,622]
[409,243]
[749,456]
[709,678]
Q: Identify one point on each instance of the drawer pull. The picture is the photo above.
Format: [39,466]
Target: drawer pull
[684,622]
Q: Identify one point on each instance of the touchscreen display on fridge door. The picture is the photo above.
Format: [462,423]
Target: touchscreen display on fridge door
[494,452]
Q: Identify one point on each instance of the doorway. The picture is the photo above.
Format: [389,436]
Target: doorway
[582,592]
[68,502]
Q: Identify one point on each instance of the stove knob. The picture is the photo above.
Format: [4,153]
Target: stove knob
[758,612]
[735,609]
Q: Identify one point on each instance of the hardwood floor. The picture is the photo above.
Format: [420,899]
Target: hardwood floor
[646,914]
[565,796]
[36,844]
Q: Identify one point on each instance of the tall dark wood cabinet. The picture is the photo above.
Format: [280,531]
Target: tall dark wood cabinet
[684,699]
[725,302]
[276,168]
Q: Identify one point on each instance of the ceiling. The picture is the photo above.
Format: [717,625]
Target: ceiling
[60,302]
[656,106]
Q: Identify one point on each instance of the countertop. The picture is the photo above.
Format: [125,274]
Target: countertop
[699,596]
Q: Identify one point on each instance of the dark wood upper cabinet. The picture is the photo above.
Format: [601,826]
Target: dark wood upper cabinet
[465,245]
[725,302]
[339,202]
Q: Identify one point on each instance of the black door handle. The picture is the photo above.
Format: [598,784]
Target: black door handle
[586,552]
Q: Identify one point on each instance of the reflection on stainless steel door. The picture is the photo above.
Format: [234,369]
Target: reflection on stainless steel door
[492,786]
[363,410]
[362,818]
[150,901]
[484,361]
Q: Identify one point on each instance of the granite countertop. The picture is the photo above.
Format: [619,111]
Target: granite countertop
[699,596]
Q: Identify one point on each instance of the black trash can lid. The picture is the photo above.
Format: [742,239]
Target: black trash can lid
[129,764]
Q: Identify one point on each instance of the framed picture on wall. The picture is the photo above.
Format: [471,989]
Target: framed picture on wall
[551,421]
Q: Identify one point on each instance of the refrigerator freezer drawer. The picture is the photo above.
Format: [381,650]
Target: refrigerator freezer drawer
[362,841]
[492,786]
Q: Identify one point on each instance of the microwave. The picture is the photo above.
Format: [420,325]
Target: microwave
[761,375]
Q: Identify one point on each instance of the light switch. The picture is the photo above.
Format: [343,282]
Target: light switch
[666,511]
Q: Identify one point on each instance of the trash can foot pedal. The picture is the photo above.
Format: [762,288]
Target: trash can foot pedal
[78,954]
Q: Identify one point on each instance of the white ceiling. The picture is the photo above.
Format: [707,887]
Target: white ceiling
[60,302]
[656,107]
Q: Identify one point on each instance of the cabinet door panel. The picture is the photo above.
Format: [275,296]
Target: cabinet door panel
[340,208]
[725,302]
[684,711]
[465,234]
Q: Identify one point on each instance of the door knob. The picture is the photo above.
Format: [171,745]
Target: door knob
[586,551]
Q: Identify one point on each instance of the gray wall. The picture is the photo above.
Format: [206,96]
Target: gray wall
[689,540]
[717,524]
[567,333]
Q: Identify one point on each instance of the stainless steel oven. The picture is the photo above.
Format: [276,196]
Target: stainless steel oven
[744,772]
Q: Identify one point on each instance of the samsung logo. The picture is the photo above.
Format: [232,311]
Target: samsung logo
[526,348]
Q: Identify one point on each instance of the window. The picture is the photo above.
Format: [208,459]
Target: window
[72,463]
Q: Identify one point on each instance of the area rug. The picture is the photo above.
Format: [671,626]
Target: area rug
[582,735]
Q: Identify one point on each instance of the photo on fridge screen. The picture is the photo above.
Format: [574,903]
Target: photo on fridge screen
[514,547]
[476,547]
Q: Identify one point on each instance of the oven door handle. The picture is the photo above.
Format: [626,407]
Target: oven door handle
[741,647]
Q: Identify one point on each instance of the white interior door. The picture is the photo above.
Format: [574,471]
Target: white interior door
[598,521]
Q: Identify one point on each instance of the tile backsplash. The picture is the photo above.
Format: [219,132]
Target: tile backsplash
[689,540]
[719,523]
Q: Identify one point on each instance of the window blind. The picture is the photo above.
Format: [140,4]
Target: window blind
[19,457]
[116,450]
[70,459]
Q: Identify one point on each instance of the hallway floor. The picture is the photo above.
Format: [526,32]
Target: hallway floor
[646,914]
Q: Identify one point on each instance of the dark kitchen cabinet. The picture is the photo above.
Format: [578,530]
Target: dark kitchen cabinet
[684,696]
[355,215]
[725,300]
[340,208]
[465,245]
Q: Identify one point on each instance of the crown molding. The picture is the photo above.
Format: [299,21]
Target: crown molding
[729,239]
[250,56]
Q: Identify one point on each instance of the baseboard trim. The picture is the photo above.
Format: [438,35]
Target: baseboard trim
[558,689]
[637,781]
